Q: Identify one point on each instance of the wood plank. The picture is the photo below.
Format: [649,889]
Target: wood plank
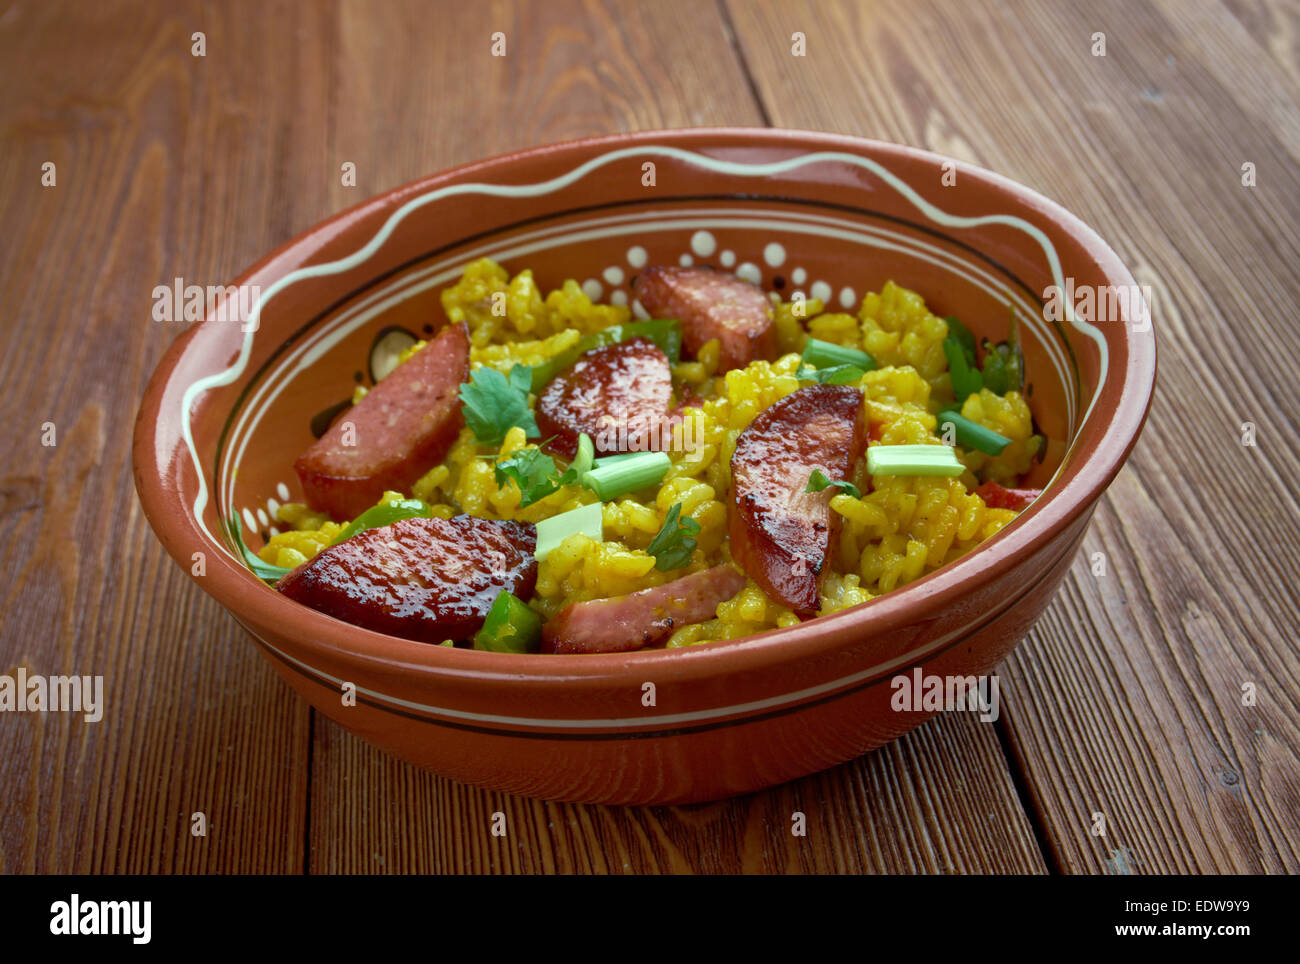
[161,171]
[1131,703]
[577,69]
[936,801]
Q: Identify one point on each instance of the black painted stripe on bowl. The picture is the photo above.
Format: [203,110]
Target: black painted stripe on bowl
[566,735]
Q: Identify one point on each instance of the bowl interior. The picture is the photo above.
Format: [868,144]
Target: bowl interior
[794,213]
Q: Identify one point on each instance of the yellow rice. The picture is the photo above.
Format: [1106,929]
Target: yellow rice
[901,528]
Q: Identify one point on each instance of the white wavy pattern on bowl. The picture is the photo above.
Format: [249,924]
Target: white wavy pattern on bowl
[730,168]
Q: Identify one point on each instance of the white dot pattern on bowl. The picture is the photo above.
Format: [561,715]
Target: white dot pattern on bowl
[821,291]
[686,261]
[774,254]
[848,298]
[283,491]
[703,243]
[618,298]
[728,258]
[749,272]
[798,276]
[593,289]
[614,275]
[637,257]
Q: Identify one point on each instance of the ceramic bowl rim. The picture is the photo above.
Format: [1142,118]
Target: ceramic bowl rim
[1119,422]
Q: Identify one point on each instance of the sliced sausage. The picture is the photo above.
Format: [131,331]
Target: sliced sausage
[711,304]
[1000,497]
[401,428]
[619,395]
[421,579]
[621,624]
[780,534]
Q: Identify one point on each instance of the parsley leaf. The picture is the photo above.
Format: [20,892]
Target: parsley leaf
[962,335]
[494,404]
[818,481]
[673,544]
[534,472]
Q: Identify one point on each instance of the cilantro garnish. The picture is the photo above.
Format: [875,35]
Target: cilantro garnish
[534,472]
[673,544]
[493,404]
[818,481]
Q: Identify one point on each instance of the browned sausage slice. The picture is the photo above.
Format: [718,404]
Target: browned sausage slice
[421,579]
[780,534]
[401,428]
[619,395]
[624,623]
[711,304]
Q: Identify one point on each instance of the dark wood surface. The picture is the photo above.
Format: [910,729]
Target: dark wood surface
[1126,698]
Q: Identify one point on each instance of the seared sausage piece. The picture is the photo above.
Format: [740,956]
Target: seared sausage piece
[780,534]
[1000,497]
[621,624]
[711,304]
[619,395]
[421,579]
[401,428]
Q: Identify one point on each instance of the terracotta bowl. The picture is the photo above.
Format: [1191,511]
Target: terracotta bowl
[233,403]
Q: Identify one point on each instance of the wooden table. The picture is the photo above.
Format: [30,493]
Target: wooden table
[1125,700]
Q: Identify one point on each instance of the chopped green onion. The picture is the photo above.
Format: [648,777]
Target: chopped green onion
[913,460]
[818,481]
[585,459]
[383,515]
[973,435]
[587,519]
[511,626]
[966,378]
[608,460]
[823,354]
[835,375]
[261,569]
[611,481]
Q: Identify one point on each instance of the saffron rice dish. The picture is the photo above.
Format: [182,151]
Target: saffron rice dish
[888,378]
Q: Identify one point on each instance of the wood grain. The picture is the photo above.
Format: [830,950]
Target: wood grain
[1125,699]
[937,801]
[1131,686]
